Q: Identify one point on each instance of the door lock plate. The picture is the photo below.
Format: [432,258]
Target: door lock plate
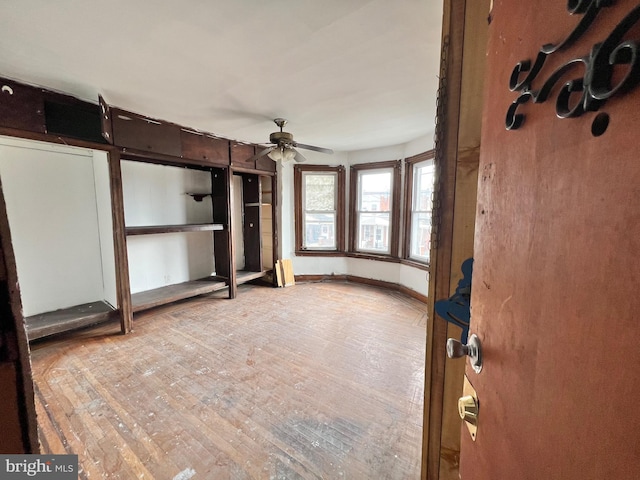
[469,408]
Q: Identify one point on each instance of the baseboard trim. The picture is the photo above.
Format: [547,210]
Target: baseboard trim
[366,281]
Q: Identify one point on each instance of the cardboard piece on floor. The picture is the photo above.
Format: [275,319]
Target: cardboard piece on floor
[278,270]
[287,273]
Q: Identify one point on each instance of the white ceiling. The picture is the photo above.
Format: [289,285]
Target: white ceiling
[347,74]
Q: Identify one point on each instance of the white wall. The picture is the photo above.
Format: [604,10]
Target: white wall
[237,223]
[105,225]
[156,195]
[410,277]
[52,205]
[419,145]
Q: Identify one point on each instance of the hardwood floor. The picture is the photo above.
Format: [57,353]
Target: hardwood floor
[312,381]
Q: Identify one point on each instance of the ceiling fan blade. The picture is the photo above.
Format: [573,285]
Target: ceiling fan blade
[261,153]
[299,157]
[311,147]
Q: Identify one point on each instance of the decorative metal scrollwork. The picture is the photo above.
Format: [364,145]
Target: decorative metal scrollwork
[589,92]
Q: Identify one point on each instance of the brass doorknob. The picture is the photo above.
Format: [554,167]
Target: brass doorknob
[468,409]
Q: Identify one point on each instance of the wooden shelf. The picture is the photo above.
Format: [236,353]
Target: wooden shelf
[58,321]
[244,276]
[155,229]
[171,293]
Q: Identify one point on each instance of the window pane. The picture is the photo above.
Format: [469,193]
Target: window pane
[375,192]
[320,230]
[320,192]
[421,236]
[421,206]
[373,232]
[423,187]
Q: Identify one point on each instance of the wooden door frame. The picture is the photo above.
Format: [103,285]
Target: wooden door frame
[457,154]
[462,70]
[19,420]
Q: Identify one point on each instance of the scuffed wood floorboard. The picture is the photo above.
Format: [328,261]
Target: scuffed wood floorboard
[312,381]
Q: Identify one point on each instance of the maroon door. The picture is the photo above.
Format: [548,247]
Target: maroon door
[556,282]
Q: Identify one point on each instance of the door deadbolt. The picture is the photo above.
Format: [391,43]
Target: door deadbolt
[473,350]
[469,408]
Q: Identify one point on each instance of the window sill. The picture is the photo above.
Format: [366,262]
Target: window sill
[373,256]
[319,253]
[416,264]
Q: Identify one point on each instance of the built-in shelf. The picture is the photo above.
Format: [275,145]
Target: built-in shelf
[65,319]
[154,229]
[179,291]
[244,276]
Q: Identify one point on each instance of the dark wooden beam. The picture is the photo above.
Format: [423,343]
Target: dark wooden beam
[275,225]
[231,260]
[155,229]
[120,243]
[17,407]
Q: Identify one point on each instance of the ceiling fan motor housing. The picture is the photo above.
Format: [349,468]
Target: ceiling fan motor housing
[281,138]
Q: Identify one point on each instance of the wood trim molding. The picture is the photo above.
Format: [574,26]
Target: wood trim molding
[233,284]
[411,263]
[373,256]
[421,157]
[408,200]
[370,166]
[320,253]
[56,139]
[394,241]
[298,170]
[255,171]
[395,210]
[457,131]
[365,281]
[320,278]
[275,224]
[297,205]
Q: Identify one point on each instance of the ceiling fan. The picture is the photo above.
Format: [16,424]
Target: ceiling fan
[283,146]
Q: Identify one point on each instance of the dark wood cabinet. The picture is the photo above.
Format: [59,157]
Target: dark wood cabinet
[240,155]
[144,134]
[204,148]
[21,107]
[39,114]
[264,163]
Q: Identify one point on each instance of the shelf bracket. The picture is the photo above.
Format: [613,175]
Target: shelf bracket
[198,197]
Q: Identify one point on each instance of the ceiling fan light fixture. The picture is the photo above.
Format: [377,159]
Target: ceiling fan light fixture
[275,154]
[283,143]
[288,154]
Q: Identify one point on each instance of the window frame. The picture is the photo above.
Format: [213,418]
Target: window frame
[298,175]
[410,164]
[394,241]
